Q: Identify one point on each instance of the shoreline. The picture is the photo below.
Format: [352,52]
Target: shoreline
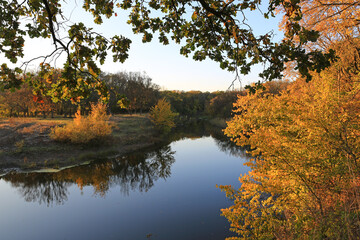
[25,145]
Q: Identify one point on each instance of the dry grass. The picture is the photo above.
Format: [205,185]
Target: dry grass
[39,127]
[125,125]
[29,126]
[15,122]
[25,141]
[83,130]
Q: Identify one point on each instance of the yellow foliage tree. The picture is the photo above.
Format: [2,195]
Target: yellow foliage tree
[305,178]
[334,20]
[94,127]
[162,116]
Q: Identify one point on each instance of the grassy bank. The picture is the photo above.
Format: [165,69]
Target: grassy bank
[25,143]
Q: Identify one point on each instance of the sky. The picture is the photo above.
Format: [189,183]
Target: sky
[164,64]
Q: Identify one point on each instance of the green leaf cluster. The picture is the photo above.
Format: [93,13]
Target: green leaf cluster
[205,28]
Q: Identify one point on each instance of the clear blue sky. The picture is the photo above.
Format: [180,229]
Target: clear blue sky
[163,64]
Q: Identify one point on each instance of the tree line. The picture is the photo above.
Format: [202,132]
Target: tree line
[129,92]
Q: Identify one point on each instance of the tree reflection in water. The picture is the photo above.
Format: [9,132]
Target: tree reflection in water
[199,128]
[40,188]
[134,172]
[140,171]
[231,149]
[225,145]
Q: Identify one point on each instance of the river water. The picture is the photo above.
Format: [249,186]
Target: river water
[164,193]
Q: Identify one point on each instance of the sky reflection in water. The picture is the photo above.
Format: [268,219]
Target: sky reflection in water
[169,193]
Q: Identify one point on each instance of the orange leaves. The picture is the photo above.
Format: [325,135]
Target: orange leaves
[194,15]
[38,99]
[80,182]
[307,144]
[83,130]
[335,21]
[235,35]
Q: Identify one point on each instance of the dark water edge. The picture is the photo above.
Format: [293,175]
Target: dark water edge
[163,193]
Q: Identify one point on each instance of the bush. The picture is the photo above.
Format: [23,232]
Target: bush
[85,129]
[162,116]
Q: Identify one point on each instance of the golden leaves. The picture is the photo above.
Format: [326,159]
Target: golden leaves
[85,129]
[306,144]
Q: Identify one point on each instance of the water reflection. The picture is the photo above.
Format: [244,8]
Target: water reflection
[134,172]
[140,171]
[198,129]
[225,145]
[40,188]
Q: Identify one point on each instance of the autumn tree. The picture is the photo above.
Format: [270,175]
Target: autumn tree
[36,97]
[334,21]
[133,91]
[18,103]
[304,182]
[222,105]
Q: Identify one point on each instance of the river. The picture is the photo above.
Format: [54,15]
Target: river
[168,192]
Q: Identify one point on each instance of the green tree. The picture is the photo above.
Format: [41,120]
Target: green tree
[191,103]
[207,29]
[162,116]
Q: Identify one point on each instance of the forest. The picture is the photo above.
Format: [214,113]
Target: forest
[129,92]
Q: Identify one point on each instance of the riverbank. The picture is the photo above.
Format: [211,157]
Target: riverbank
[25,144]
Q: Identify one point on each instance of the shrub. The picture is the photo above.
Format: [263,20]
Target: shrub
[162,116]
[92,128]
